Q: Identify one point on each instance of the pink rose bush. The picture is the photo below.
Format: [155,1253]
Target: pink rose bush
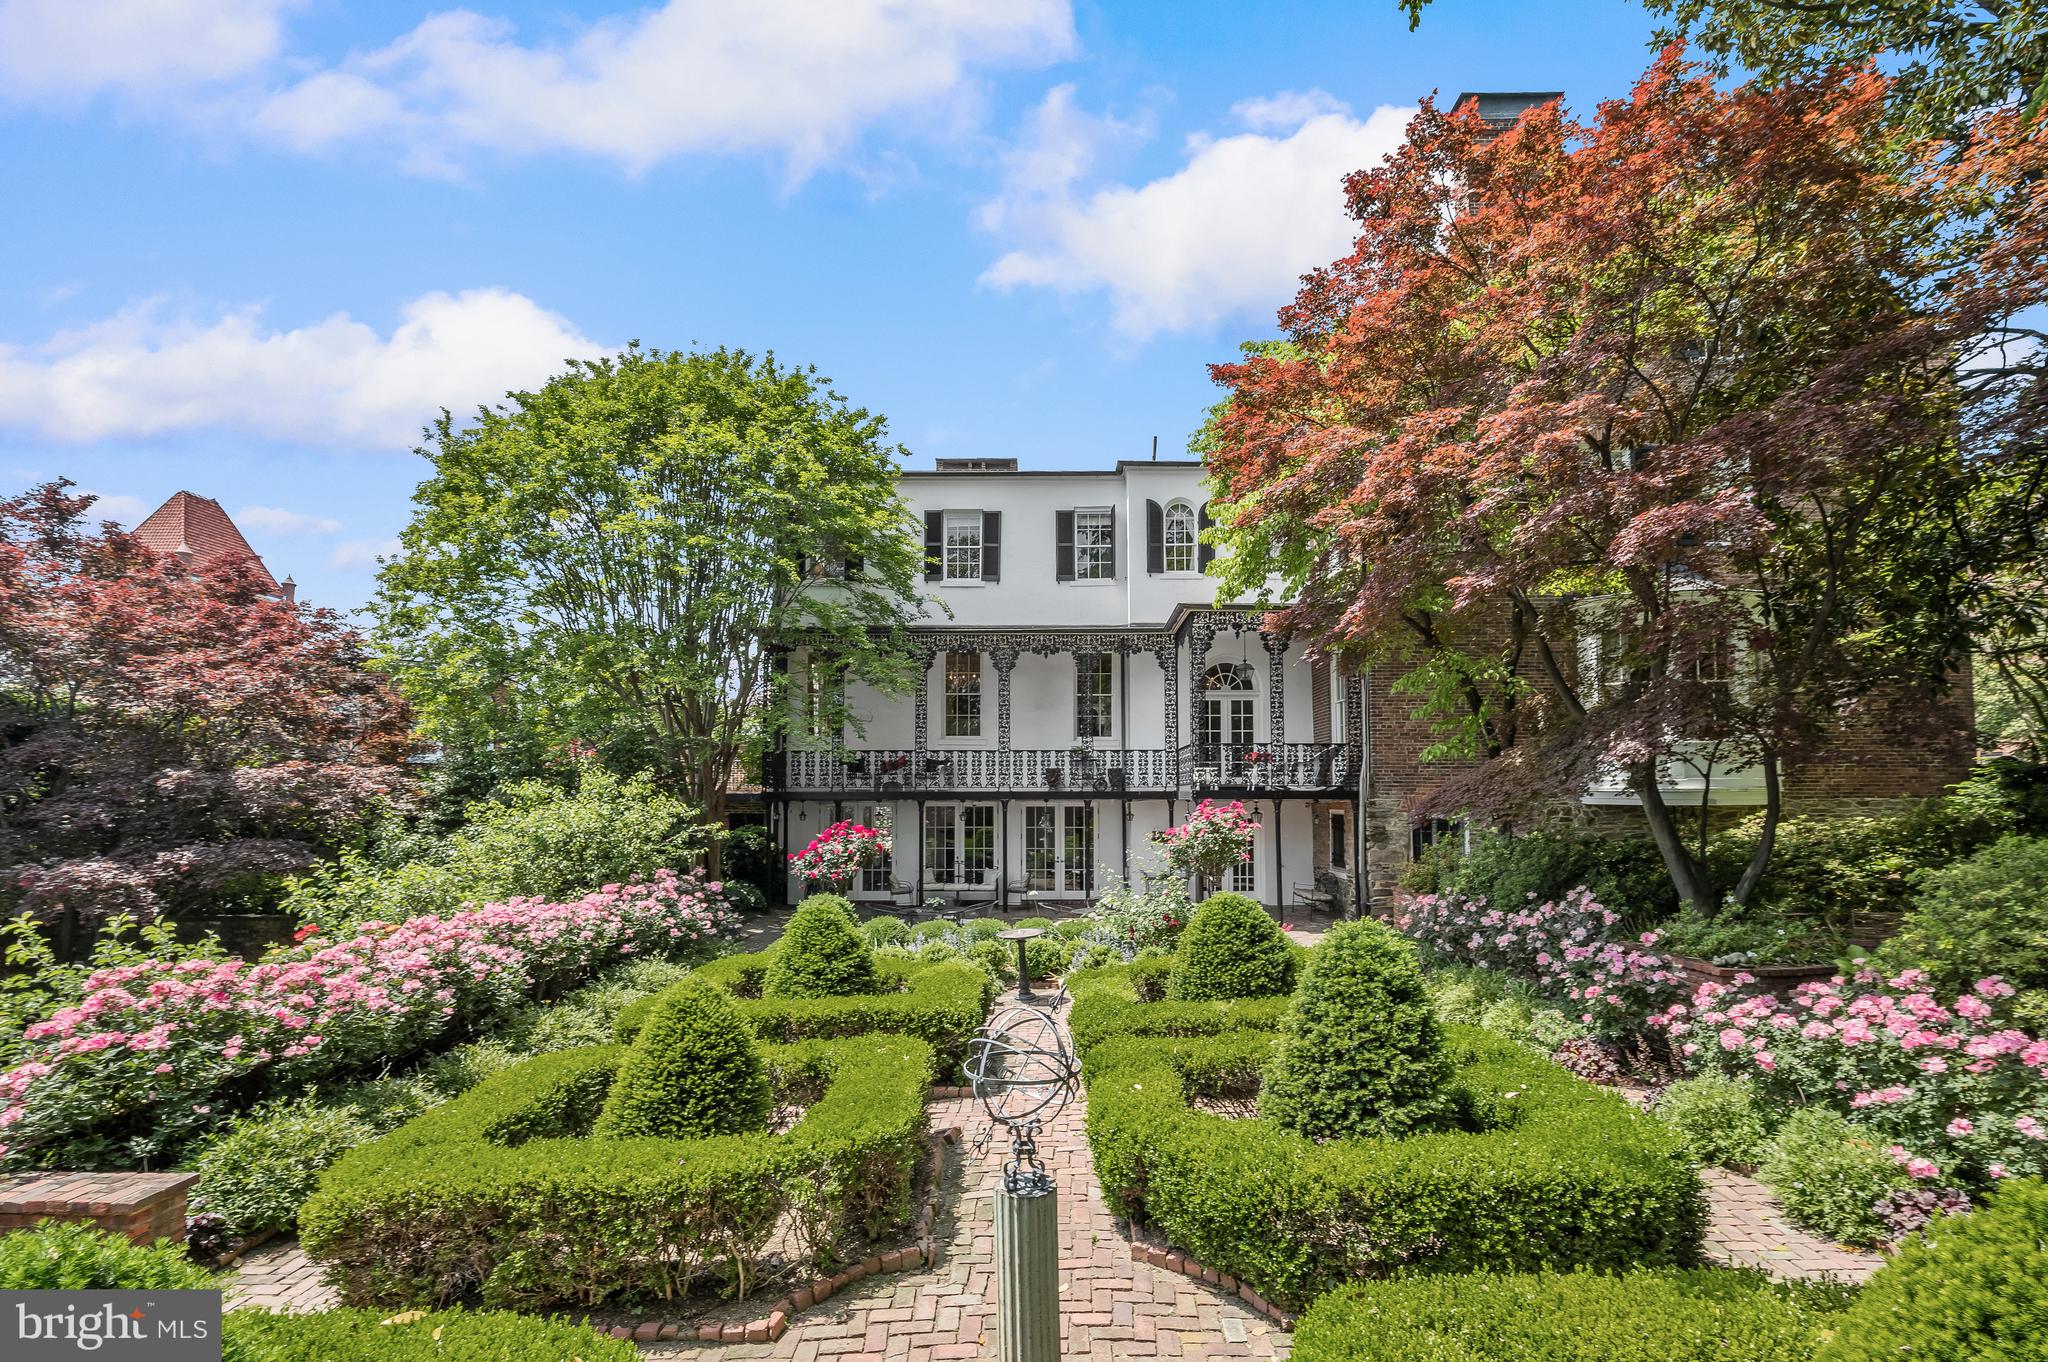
[839,853]
[134,1068]
[1958,1097]
[1217,836]
[1569,949]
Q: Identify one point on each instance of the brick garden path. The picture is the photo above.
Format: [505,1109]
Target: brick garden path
[1748,1229]
[1110,1306]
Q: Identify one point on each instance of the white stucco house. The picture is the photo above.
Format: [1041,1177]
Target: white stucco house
[1080,691]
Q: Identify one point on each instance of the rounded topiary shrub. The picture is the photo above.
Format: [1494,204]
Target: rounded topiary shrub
[1231,949]
[1976,1286]
[822,954]
[1360,1051]
[693,1071]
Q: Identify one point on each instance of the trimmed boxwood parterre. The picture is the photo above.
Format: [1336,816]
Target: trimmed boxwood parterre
[1106,1005]
[500,1196]
[1549,1172]
[1700,1315]
[939,1002]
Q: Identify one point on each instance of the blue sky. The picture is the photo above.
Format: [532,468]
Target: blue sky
[252,245]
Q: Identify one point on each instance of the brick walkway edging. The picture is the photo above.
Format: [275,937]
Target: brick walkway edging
[1170,1261]
[775,1323]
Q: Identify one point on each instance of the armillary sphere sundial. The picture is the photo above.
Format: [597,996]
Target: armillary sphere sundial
[1025,1075]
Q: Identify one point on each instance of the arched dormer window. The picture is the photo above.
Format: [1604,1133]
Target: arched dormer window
[1181,530]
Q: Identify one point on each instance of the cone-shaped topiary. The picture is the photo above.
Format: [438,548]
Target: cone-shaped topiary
[1360,1053]
[822,955]
[1231,949]
[694,1071]
[1976,1286]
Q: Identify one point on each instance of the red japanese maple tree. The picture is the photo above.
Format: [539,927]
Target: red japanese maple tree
[1649,439]
[169,734]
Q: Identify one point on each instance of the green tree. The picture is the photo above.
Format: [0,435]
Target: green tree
[615,560]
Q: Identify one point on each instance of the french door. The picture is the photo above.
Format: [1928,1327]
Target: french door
[1059,848]
[879,877]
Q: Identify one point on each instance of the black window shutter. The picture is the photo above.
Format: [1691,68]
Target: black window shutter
[854,564]
[803,567]
[991,546]
[1112,542]
[1063,546]
[1155,538]
[1208,552]
[934,545]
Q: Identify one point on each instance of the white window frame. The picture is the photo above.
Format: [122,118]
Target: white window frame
[960,560]
[947,695]
[1094,544]
[1088,669]
[1191,564]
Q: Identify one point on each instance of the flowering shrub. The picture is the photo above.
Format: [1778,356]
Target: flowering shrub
[151,1051]
[839,853]
[1215,838]
[1136,918]
[1564,947]
[1958,1096]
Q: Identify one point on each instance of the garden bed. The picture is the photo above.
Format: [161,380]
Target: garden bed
[1545,1171]
[502,1196]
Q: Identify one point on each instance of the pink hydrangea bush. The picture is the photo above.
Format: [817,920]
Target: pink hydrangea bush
[840,852]
[1217,836]
[1960,1097]
[1567,948]
[155,1052]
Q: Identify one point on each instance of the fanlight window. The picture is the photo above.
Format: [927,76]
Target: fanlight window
[1228,676]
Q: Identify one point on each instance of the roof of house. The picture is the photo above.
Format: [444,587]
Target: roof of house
[197,530]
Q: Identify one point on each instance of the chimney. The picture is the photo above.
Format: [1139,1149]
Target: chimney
[1499,109]
[288,591]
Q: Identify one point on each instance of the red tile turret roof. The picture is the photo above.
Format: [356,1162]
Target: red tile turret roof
[196,529]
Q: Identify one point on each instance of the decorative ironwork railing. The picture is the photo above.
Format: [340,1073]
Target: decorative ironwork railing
[1267,766]
[1127,770]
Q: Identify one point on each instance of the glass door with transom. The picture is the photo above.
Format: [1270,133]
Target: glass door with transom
[1059,848]
[877,879]
[1223,724]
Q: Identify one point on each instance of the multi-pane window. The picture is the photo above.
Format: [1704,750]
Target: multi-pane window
[959,843]
[963,695]
[1243,876]
[878,876]
[963,546]
[1094,702]
[1180,537]
[1094,546]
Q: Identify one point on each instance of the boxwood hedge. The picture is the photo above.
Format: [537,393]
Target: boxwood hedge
[415,1336]
[1548,1173]
[501,1196]
[1106,1004]
[1702,1315]
[940,1002]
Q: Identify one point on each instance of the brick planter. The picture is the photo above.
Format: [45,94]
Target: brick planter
[145,1207]
[1778,980]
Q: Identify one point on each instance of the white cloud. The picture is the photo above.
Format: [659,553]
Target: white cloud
[71,49]
[336,381]
[353,554]
[789,76]
[1288,109]
[275,520]
[118,507]
[1224,238]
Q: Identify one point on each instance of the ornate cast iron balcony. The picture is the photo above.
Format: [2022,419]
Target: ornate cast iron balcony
[1297,767]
